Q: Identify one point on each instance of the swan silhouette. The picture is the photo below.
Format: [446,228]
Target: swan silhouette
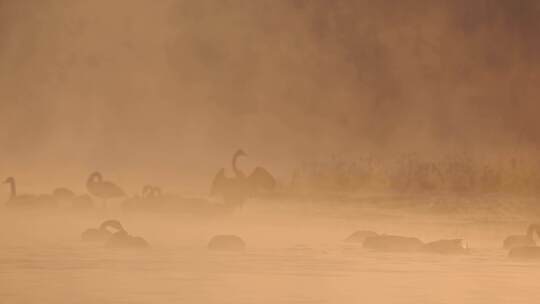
[121,239]
[102,233]
[63,194]
[235,190]
[360,236]
[525,252]
[526,240]
[27,201]
[226,242]
[103,189]
[394,243]
[452,246]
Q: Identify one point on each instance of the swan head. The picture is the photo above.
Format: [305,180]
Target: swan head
[9,180]
[239,153]
[96,175]
[112,224]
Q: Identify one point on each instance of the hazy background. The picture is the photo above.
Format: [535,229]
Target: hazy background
[167,90]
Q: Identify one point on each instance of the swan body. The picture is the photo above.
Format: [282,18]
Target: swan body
[360,236]
[28,201]
[393,243]
[525,252]
[526,240]
[118,239]
[103,189]
[226,242]
[235,190]
[121,239]
[453,246]
[63,194]
[102,233]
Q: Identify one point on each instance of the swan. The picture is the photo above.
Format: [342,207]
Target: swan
[27,201]
[393,243]
[63,194]
[102,233]
[452,246]
[121,239]
[235,190]
[360,236]
[522,240]
[103,189]
[525,252]
[226,242]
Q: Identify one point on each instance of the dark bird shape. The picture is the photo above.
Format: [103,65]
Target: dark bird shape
[393,243]
[103,189]
[64,194]
[122,239]
[525,252]
[102,233]
[522,240]
[360,236]
[226,242]
[27,201]
[453,246]
[235,190]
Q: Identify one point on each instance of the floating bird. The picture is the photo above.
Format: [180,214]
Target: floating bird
[121,239]
[226,242]
[101,234]
[525,252]
[360,236]
[27,201]
[522,240]
[235,190]
[103,189]
[453,246]
[63,194]
[393,243]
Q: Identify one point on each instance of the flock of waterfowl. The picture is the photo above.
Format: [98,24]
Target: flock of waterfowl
[519,246]
[234,191]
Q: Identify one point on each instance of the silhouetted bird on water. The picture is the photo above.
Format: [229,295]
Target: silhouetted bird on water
[118,239]
[525,252]
[78,202]
[235,190]
[395,243]
[100,234]
[27,201]
[103,189]
[226,242]
[360,236]
[522,240]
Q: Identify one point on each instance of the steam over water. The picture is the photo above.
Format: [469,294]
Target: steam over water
[405,118]
[290,259]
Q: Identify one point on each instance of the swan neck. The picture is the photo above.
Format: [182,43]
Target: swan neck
[13,188]
[237,171]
